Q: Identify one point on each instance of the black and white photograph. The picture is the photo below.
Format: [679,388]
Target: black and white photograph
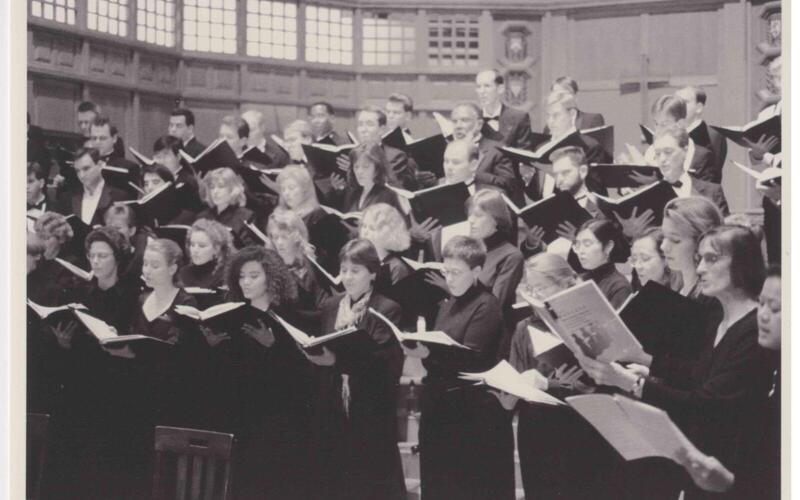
[368,250]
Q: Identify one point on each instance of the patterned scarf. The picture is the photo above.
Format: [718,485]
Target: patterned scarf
[350,314]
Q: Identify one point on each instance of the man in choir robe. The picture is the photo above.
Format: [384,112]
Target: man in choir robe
[181,126]
[103,138]
[93,198]
[583,120]
[670,110]
[570,171]
[494,168]
[166,152]
[399,111]
[259,138]
[561,111]
[370,127]
[320,116]
[461,163]
[512,126]
[671,145]
[700,132]
[236,131]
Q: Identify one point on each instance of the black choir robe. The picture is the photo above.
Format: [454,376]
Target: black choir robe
[759,473]
[356,450]
[193,147]
[497,170]
[711,139]
[611,282]
[466,439]
[328,234]
[501,274]
[719,399]
[234,218]
[70,202]
[349,200]
[271,398]
[514,127]
[400,168]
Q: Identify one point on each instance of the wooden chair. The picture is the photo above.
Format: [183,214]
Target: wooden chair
[200,461]
[36,445]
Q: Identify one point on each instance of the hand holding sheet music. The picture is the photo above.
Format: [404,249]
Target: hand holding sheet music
[588,324]
[635,429]
[505,378]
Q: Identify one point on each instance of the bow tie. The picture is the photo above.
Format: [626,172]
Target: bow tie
[676,184]
[36,206]
[492,121]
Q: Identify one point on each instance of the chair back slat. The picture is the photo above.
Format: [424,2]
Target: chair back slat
[37,427]
[197,456]
[211,476]
[180,482]
[197,476]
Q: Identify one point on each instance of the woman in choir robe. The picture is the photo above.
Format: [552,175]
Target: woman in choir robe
[466,440]
[718,400]
[561,455]
[647,259]
[289,236]
[107,381]
[225,197]
[157,395]
[685,221]
[366,181]
[272,380]
[598,245]
[386,229]
[326,232]
[490,221]
[356,401]
[59,284]
[759,474]
[208,244]
[155,176]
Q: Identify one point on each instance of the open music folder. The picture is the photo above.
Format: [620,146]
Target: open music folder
[587,323]
[635,429]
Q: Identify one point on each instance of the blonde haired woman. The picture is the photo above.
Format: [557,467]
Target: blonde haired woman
[326,232]
[223,192]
